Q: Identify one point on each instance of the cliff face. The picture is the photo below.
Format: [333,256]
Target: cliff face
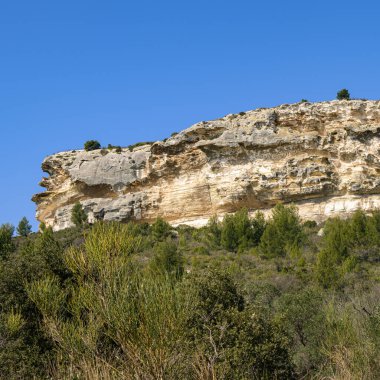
[324,157]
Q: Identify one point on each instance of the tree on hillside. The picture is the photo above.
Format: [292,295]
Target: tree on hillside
[283,233]
[343,94]
[78,215]
[24,228]
[6,233]
[337,239]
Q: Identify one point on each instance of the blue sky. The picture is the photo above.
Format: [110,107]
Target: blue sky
[128,71]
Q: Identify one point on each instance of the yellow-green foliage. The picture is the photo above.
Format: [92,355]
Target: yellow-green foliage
[133,301]
[115,313]
[14,321]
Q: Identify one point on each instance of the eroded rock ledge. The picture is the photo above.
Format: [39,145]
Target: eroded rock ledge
[324,157]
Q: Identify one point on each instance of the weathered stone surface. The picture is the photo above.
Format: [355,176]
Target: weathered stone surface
[324,157]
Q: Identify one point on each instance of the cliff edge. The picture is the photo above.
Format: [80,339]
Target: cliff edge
[324,157]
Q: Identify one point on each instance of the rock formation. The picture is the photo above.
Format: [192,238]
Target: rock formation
[324,157]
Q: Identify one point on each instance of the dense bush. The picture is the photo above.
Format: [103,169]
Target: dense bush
[91,145]
[343,94]
[167,259]
[25,351]
[238,231]
[283,234]
[230,339]
[346,243]
[6,243]
[160,229]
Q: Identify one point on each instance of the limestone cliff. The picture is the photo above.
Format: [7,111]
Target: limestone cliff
[324,157]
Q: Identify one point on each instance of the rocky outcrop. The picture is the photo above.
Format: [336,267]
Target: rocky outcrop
[324,157]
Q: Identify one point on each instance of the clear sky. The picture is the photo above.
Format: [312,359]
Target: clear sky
[127,71]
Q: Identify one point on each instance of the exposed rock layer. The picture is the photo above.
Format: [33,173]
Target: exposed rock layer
[324,157]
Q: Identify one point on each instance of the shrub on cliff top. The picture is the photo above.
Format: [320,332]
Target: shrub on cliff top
[343,94]
[91,145]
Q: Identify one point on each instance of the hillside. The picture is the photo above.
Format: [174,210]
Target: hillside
[246,298]
[324,157]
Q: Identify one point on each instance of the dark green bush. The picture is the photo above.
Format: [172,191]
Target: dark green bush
[337,239]
[229,237]
[238,231]
[91,145]
[6,243]
[232,340]
[160,229]
[283,233]
[78,215]
[25,351]
[343,94]
[167,259]
[214,227]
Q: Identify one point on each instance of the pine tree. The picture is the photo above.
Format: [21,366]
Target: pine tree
[283,233]
[343,94]
[24,228]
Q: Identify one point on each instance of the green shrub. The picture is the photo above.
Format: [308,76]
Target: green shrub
[363,229]
[25,351]
[301,315]
[117,148]
[343,94]
[78,215]
[258,227]
[231,340]
[6,244]
[160,229]
[283,232]
[238,231]
[91,145]
[229,237]
[214,228]
[120,322]
[168,260]
[337,239]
